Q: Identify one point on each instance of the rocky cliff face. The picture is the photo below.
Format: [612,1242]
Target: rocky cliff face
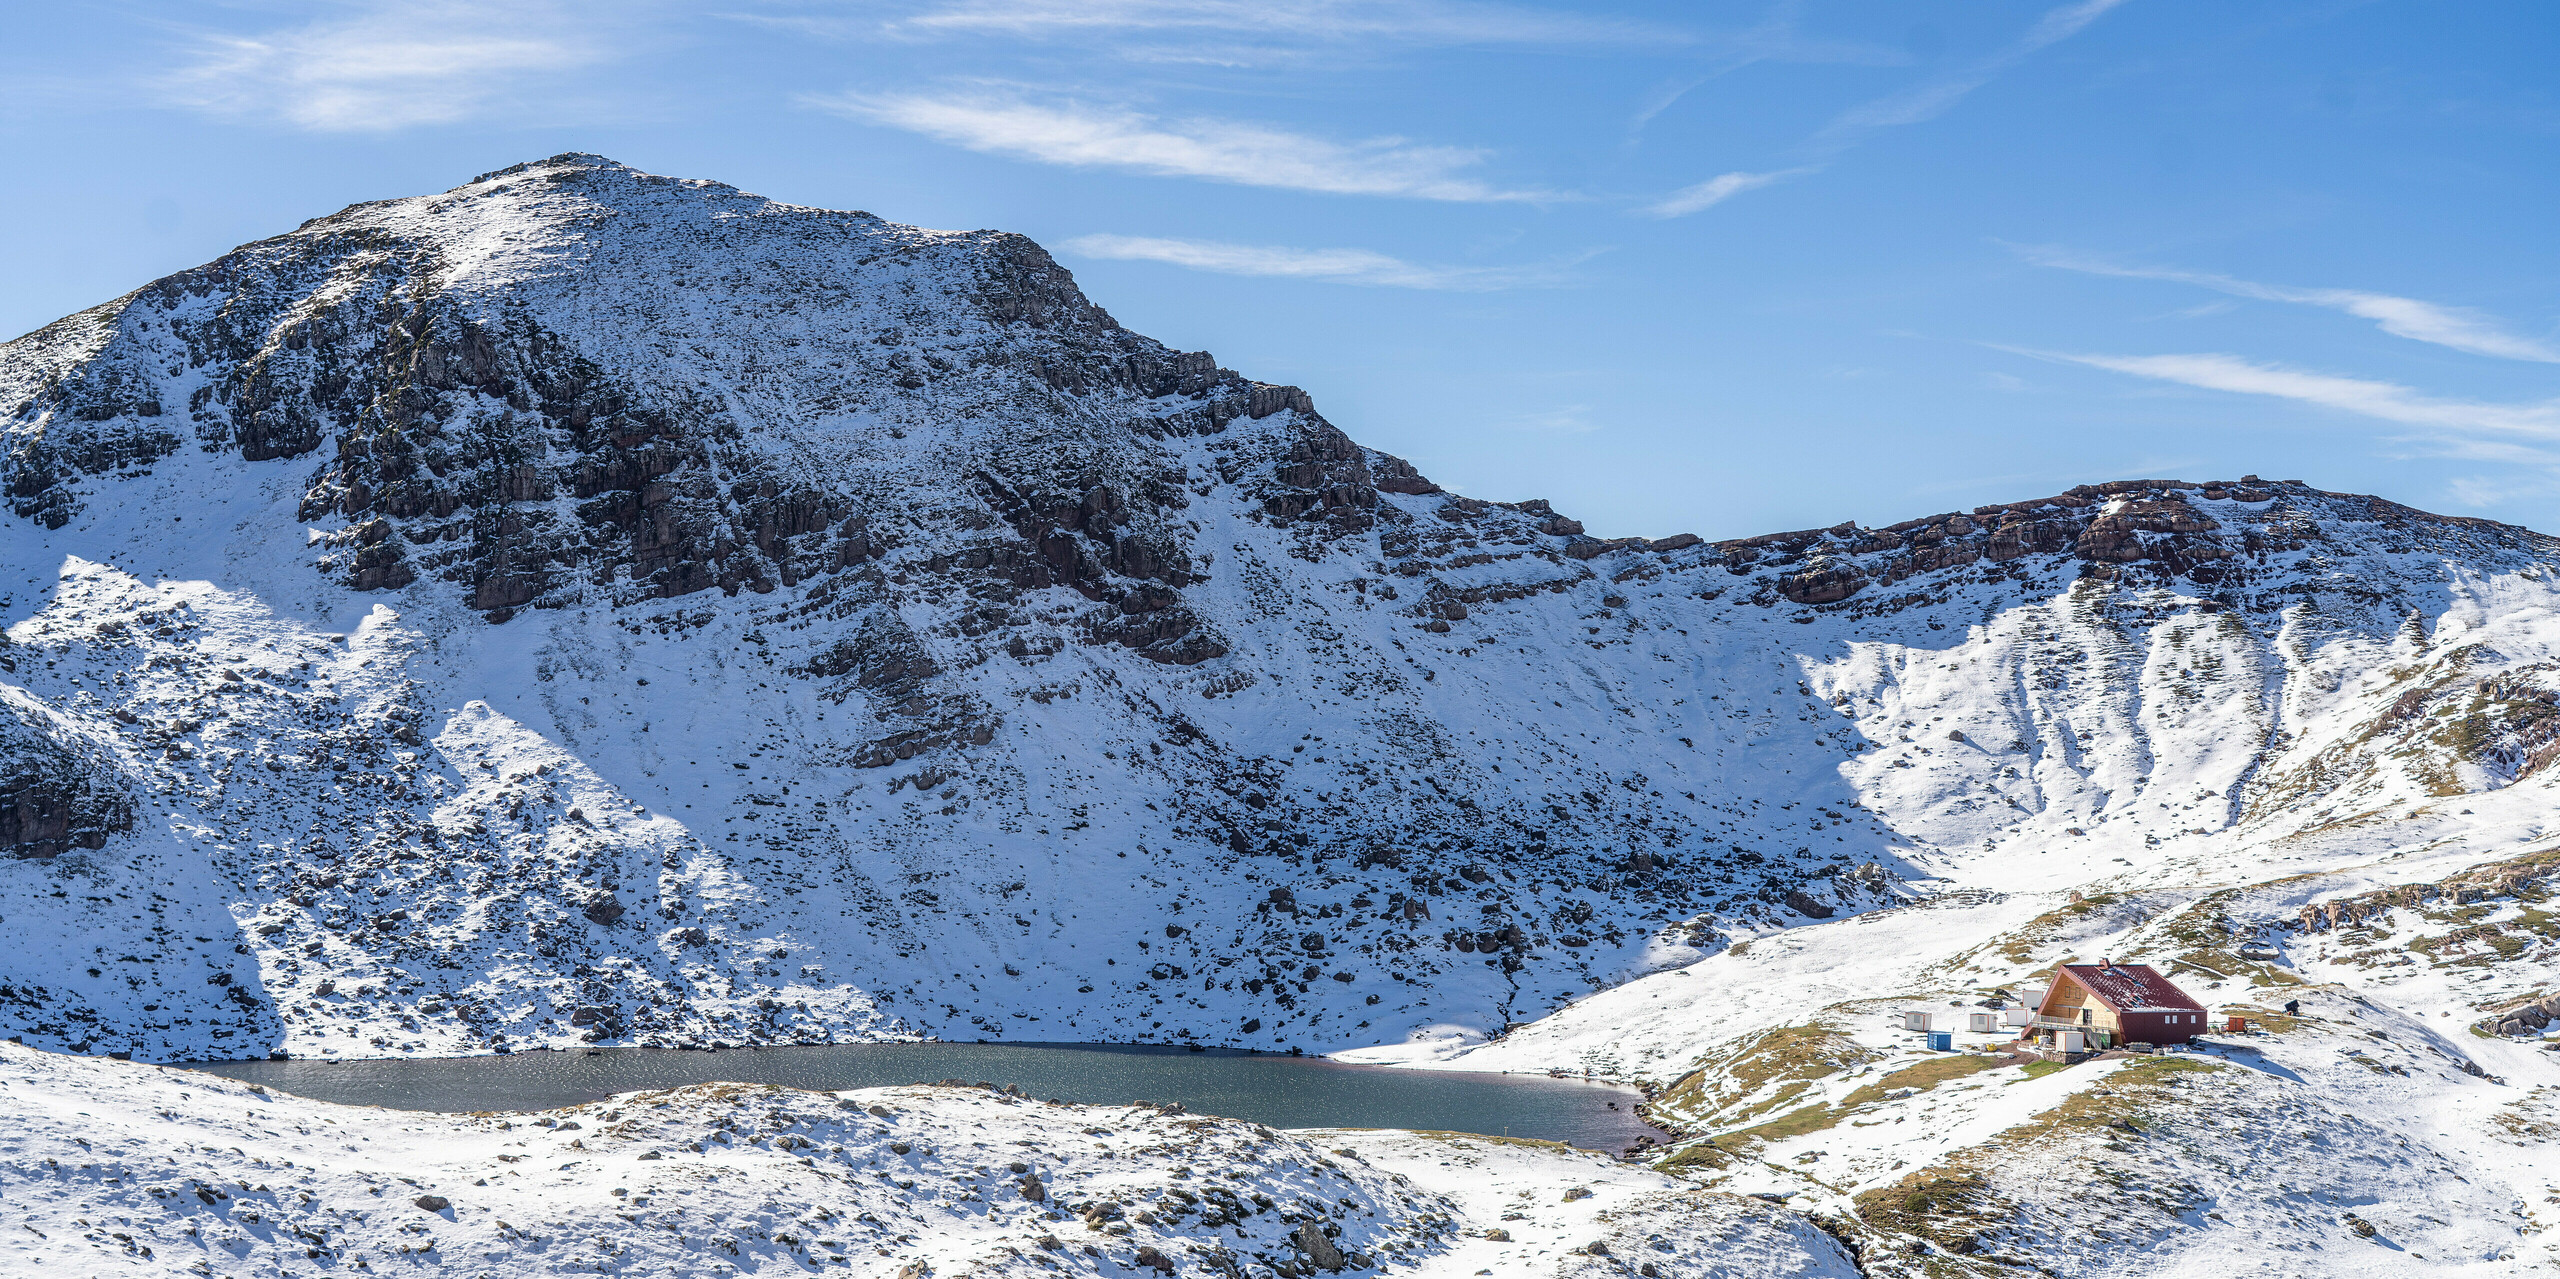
[586,605]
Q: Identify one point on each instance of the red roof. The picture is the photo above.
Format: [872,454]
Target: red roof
[2130,987]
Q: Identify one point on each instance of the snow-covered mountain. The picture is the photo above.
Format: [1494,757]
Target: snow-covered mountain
[587,605]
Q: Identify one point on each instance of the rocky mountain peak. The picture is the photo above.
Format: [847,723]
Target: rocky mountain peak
[590,605]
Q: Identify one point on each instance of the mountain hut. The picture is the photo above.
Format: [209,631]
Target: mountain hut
[2115,1004]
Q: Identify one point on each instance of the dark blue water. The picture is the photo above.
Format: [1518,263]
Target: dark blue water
[1284,1092]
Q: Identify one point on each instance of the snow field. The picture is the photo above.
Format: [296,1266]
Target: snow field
[2374,1134]
[113,1166]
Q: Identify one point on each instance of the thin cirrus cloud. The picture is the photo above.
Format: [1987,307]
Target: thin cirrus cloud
[1247,154]
[1333,266]
[1715,191]
[1773,39]
[2454,327]
[1936,97]
[1920,104]
[2386,401]
[391,66]
[1399,21]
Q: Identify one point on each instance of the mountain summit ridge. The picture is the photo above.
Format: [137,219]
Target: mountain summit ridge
[587,606]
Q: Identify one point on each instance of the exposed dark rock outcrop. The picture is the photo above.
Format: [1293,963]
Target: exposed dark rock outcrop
[56,792]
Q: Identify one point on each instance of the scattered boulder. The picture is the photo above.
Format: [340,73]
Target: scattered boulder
[1320,1251]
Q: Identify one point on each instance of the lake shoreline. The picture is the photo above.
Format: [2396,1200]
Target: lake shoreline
[1277,1089]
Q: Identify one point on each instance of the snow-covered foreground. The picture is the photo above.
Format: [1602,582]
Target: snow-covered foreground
[110,1167]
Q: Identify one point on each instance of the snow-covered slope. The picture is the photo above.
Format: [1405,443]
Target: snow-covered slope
[2398,1121]
[585,605]
[151,1171]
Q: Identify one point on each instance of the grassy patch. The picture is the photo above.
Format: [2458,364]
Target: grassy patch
[2268,1019]
[2536,920]
[1794,1123]
[1461,1138]
[1762,1074]
[1949,1206]
[2018,946]
[1703,1157]
[1921,1076]
[1813,1119]
[1796,1052]
[2208,942]
[2532,1121]
[2040,1069]
[1924,1076]
[2088,1115]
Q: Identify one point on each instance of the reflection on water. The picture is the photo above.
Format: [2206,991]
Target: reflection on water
[1284,1092]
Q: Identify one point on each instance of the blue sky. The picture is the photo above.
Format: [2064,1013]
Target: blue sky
[1705,267]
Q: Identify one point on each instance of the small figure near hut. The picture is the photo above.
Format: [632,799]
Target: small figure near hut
[2108,1005]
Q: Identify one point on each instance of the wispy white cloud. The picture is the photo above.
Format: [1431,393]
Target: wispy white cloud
[2456,327]
[1217,150]
[391,65]
[2206,310]
[1232,33]
[1933,98]
[1336,266]
[1926,101]
[1569,419]
[1660,98]
[1772,39]
[2483,491]
[1717,190]
[2386,401]
[1445,22]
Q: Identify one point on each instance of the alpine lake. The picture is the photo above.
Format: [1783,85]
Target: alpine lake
[1277,1090]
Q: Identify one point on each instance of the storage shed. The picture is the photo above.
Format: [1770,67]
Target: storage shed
[2116,1004]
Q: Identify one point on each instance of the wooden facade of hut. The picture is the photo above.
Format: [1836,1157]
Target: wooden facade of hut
[2116,1004]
